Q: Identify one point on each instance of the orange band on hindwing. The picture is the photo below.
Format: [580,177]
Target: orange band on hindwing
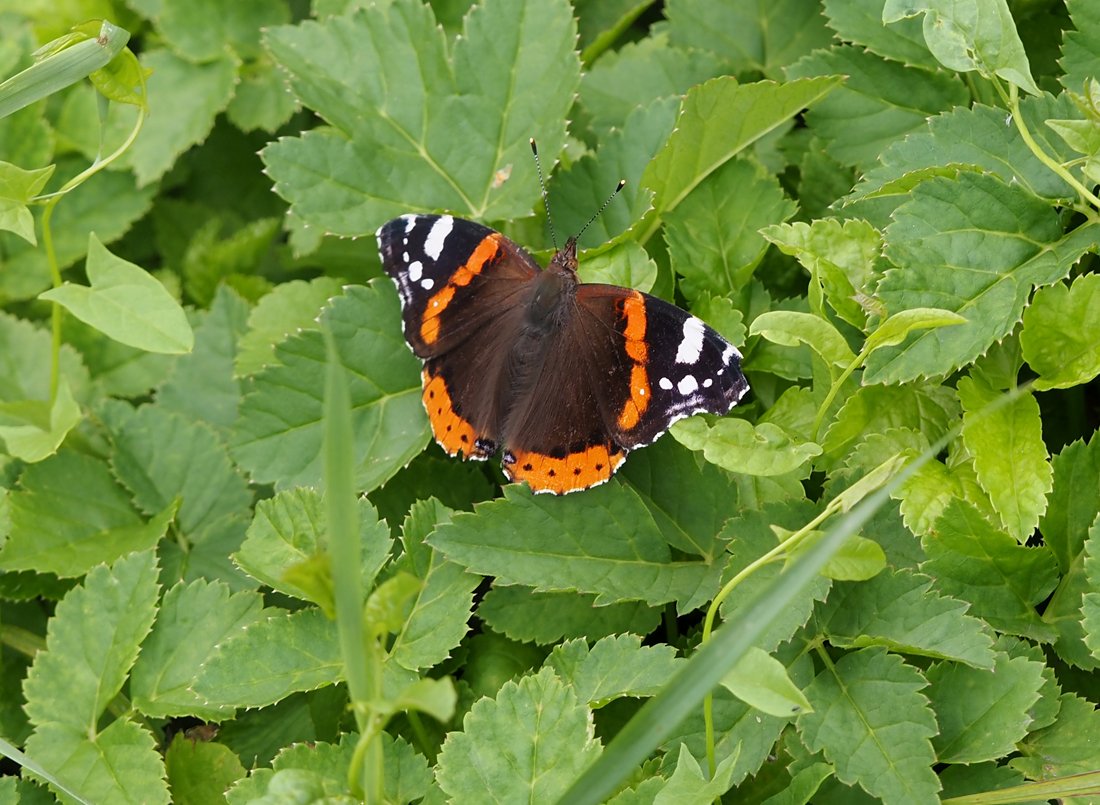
[634,331]
[485,252]
[577,470]
[453,433]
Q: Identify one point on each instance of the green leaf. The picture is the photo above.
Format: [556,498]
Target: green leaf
[875,409]
[91,644]
[260,100]
[713,235]
[32,430]
[982,713]
[289,529]
[269,659]
[126,303]
[885,750]
[1080,59]
[880,102]
[1074,501]
[762,681]
[970,35]
[739,446]
[857,560]
[192,620]
[543,618]
[900,610]
[689,783]
[71,515]
[973,246]
[17,188]
[626,264]
[278,435]
[896,328]
[860,21]
[741,113]
[527,744]
[200,31]
[200,771]
[1002,580]
[606,544]
[1059,334]
[1067,746]
[290,307]
[613,667]
[1010,457]
[1090,601]
[511,74]
[790,329]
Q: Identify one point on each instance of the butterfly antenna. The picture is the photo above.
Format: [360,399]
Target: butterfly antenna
[545,195]
[615,192]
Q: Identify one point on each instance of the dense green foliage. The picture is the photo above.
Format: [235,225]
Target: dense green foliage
[890,204]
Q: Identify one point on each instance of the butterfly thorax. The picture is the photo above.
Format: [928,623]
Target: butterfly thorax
[552,293]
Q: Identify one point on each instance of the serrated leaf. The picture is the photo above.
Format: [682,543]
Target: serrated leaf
[1066,747]
[1060,333]
[1074,501]
[790,328]
[512,73]
[260,100]
[1065,612]
[70,516]
[1090,601]
[527,615]
[1009,455]
[613,667]
[1080,59]
[289,529]
[973,246]
[278,435]
[739,446]
[529,743]
[32,430]
[191,621]
[200,771]
[605,544]
[91,644]
[689,783]
[899,610]
[291,306]
[713,235]
[971,35]
[126,303]
[879,103]
[1002,580]
[271,658]
[886,751]
[201,31]
[17,188]
[982,714]
[626,264]
[118,764]
[762,681]
[860,21]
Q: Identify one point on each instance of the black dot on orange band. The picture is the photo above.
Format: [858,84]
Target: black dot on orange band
[576,470]
[527,468]
[551,473]
[464,438]
[599,467]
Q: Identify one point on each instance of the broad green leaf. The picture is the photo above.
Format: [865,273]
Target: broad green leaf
[1065,747]
[32,430]
[440,613]
[626,264]
[689,783]
[886,751]
[118,764]
[614,667]
[973,246]
[1074,502]
[510,75]
[841,258]
[857,560]
[899,610]
[1080,60]
[982,713]
[269,659]
[739,446]
[606,544]
[880,102]
[215,256]
[17,188]
[713,237]
[125,302]
[753,37]
[277,437]
[191,621]
[1002,580]
[290,307]
[544,618]
[71,515]
[200,771]
[979,137]
[970,35]
[529,743]
[289,529]
[184,99]
[860,21]
[1090,601]
[1009,455]
[1061,333]
[1065,612]
[91,644]
[434,697]
[200,31]
[260,100]
[601,22]
[896,328]
[791,329]
[718,120]
[762,681]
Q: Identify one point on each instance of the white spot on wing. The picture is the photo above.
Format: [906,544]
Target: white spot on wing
[416,270]
[730,353]
[665,383]
[410,222]
[687,385]
[433,244]
[691,346]
[427,283]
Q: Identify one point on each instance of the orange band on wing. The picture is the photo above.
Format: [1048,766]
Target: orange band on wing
[574,472]
[633,408]
[485,251]
[453,433]
[633,311]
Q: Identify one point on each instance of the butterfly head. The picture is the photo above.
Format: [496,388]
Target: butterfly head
[565,258]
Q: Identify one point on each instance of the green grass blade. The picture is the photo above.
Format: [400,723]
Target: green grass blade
[9,751]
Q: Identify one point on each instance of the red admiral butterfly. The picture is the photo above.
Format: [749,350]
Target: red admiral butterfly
[566,377]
